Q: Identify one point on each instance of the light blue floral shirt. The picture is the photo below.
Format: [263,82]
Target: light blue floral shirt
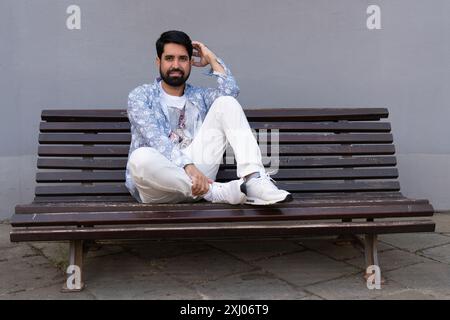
[150,126]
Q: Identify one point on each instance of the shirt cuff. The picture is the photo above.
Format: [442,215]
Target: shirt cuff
[185,160]
[211,72]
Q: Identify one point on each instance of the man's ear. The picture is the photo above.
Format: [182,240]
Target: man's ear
[158,62]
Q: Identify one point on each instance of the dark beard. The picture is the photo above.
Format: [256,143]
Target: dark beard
[174,81]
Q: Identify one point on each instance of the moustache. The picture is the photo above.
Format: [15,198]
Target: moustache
[176,70]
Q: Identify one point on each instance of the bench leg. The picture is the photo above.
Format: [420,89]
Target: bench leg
[74,281]
[371,254]
[370,251]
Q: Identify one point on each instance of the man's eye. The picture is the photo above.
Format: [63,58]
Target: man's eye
[169,58]
[183,59]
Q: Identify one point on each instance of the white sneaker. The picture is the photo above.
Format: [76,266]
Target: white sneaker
[228,192]
[262,191]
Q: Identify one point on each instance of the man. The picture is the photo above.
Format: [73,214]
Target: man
[180,133]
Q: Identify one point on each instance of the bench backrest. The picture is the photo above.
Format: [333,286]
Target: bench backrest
[83,153]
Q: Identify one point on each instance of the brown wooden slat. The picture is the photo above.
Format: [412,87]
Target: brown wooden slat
[328,162]
[85,115]
[273,113]
[322,195]
[291,174]
[84,138]
[306,186]
[95,176]
[242,213]
[97,151]
[339,126]
[105,164]
[306,162]
[322,174]
[310,186]
[85,198]
[118,151]
[318,113]
[352,194]
[328,201]
[329,196]
[283,137]
[65,190]
[335,126]
[226,230]
[336,149]
[84,127]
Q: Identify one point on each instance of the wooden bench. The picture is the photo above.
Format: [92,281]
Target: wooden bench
[339,164]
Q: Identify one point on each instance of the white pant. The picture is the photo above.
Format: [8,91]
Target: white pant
[158,180]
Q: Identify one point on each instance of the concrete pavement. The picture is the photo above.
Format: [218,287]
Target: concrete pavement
[415,266]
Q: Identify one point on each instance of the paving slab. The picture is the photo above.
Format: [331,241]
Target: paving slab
[312,297]
[329,248]
[201,266]
[250,250]
[56,252]
[52,292]
[5,229]
[431,276]
[351,287]
[414,241]
[124,276]
[407,294]
[252,285]
[100,249]
[16,253]
[22,269]
[439,253]
[442,220]
[149,287]
[118,266]
[150,250]
[304,268]
[390,260]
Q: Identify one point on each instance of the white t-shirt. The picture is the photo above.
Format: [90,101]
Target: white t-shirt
[172,101]
[181,129]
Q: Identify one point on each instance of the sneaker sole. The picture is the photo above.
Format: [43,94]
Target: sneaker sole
[259,202]
[242,199]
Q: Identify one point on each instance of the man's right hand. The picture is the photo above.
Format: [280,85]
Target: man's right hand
[200,182]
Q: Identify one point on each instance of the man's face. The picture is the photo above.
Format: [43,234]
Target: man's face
[174,65]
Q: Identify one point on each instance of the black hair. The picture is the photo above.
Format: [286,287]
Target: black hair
[174,36]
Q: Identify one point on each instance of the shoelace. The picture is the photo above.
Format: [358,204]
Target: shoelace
[266,176]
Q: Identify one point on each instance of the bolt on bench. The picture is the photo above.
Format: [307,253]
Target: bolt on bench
[339,164]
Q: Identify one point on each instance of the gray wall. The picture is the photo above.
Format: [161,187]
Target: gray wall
[283,53]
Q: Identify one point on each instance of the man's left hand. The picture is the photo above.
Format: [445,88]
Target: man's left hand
[206,57]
